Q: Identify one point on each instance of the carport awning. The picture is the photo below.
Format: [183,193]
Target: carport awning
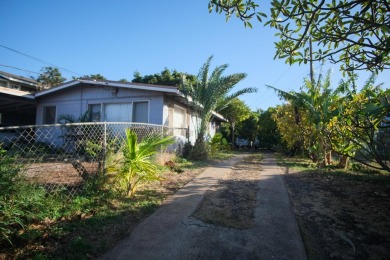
[16,101]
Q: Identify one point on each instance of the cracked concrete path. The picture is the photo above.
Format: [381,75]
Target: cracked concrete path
[170,233]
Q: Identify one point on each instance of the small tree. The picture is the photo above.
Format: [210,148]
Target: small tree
[235,112]
[50,77]
[268,133]
[133,165]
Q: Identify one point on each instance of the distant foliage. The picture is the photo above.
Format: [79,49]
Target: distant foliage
[268,133]
[165,78]
[94,76]
[50,77]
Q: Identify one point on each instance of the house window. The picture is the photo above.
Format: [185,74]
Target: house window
[179,117]
[117,112]
[179,120]
[49,115]
[16,87]
[120,112]
[141,112]
[3,84]
[95,112]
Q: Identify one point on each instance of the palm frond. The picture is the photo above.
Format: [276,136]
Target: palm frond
[203,74]
[225,101]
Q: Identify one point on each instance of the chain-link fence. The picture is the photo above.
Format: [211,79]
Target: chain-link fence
[63,156]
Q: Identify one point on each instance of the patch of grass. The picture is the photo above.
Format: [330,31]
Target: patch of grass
[222,156]
[295,163]
[189,165]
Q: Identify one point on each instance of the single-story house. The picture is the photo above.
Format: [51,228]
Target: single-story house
[114,101]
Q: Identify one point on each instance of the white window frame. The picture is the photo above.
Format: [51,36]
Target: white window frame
[17,87]
[179,132]
[185,115]
[103,112]
[6,83]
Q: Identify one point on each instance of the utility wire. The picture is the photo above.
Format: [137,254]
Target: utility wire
[37,59]
[29,71]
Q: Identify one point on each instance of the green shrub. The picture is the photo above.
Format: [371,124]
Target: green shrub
[197,152]
[215,144]
[20,201]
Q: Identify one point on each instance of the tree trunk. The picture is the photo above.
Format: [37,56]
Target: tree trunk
[233,145]
[314,157]
[328,158]
[343,162]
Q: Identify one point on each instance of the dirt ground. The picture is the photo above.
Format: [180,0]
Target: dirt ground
[232,202]
[341,216]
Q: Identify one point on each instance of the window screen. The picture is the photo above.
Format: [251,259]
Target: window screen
[49,115]
[117,112]
[95,112]
[141,112]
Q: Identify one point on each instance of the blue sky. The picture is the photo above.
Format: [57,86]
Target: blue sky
[117,38]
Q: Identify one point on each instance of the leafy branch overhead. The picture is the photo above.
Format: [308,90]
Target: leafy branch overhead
[352,33]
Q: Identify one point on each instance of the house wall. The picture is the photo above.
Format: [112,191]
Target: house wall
[192,121]
[17,85]
[75,101]
[168,114]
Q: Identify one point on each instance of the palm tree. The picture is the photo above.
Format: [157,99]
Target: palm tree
[211,92]
[133,164]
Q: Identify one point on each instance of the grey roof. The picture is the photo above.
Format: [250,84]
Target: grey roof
[111,83]
[13,77]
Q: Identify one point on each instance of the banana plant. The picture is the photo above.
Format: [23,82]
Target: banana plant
[364,124]
[317,100]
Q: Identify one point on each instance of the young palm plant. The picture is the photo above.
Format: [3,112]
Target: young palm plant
[133,165]
[212,92]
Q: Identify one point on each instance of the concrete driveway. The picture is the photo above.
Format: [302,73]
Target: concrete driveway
[170,233]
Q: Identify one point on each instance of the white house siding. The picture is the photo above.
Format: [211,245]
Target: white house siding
[193,128]
[165,114]
[212,128]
